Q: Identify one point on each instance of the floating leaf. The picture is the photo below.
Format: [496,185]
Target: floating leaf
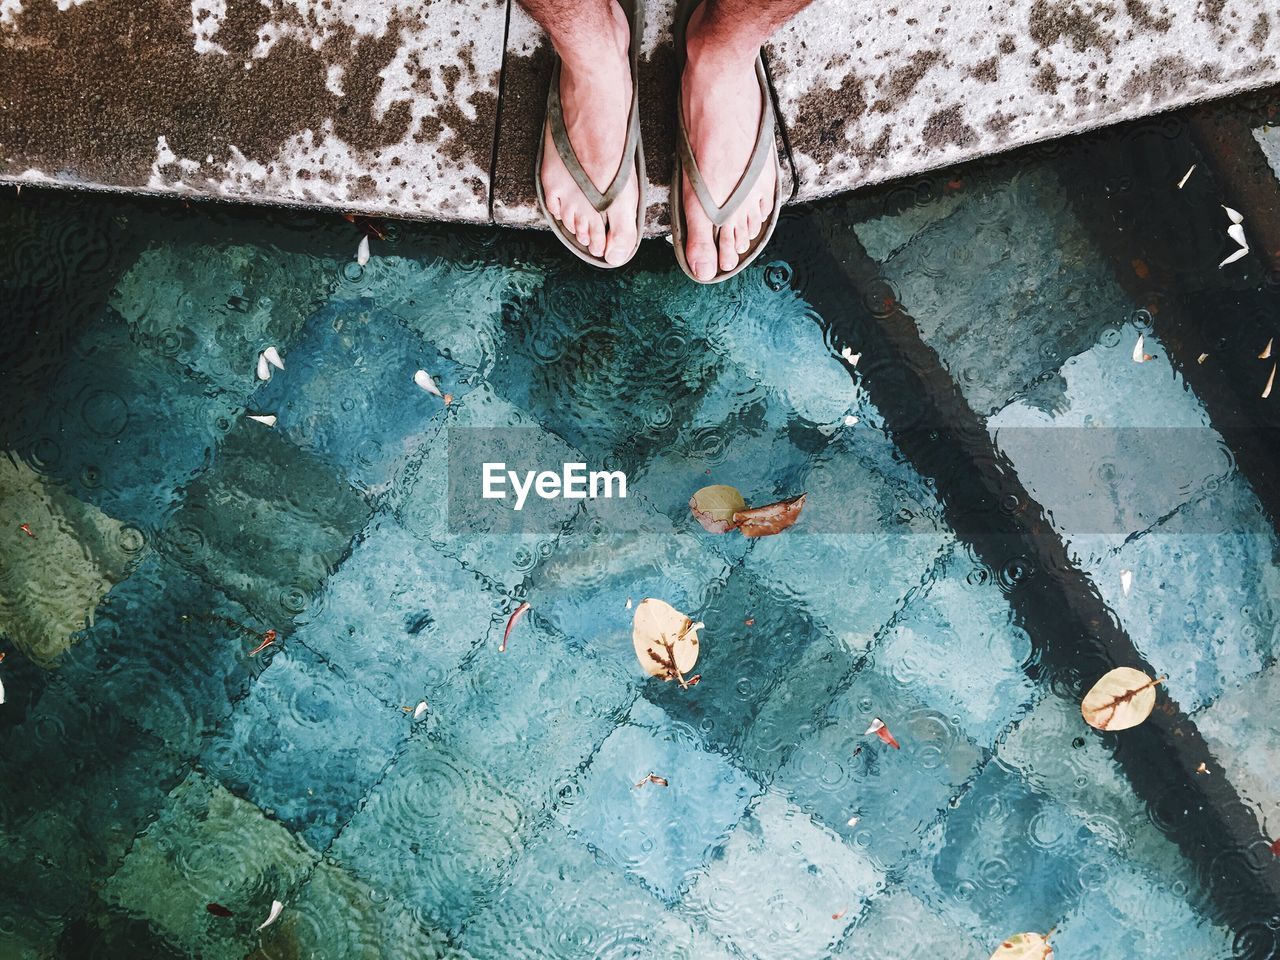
[1024,946]
[847,353]
[770,519]
[1126,581]
[1202,358]
[629,604]
[419,710]
[1266,351]
[362,251]
[880,730]
[853,821]
[269,419]
[1203,768]
[714,507]
[268,639]
[1186,176]
[1236,233]
[1266,391]
[839,914]
[218,910]
[1234,257]
[1138,355]
[424,380]
[1,691]
[665,640]
[276,908]
[1233,215]
[272,356]
[654,779]
[1275,847]
[1123,698]
[264,368]
[512,620]
[850,421]
[26,528]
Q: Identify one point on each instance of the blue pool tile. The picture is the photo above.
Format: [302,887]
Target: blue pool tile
[899,926]
[450,513]
[169,651]
[347,392]
[662,835]
[838,771]
[740,664]
[560,901]
[1204,604]
[1242,740]
[268,523]
[530,716]
[436,832]
[306,745]
[1008,858]
[775,887]
[398,616]
[958,647]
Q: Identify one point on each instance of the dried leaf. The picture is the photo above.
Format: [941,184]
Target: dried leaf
[665,641]
[853,821]
[26,528]
[269,419]
[419,710]
[512,620]
[880,730]
[1266,351]
[272,356]
[1233,215]
[847,353]
[1236,233]
[1266,391]
[1,691]
[1203,768]
[1138,355]
[1275,847]
[1126,581]
[715,506]
[839,915]
[1024,946]
[268,639]
[424,380]
[654,779]
[770,519]
[1234,257]
[264,368]
[1202,358]
[1186,176]
[1123,698]
[218,910]
[276,908]
[362,251]
[629,604]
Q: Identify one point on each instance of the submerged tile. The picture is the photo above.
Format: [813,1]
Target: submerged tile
[899,926]
[53,576]
[662,835]
[207,846]
[436,832]
[306,745]
[775,888]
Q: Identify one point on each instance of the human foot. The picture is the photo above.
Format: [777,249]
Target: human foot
[723,105]
[595,96]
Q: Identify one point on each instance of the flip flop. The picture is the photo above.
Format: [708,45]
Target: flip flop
[631,164]
[765,149]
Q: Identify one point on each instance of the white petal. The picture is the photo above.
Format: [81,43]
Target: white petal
[419,710]
[273,357]
[1,692]
[876,726]
[264,371]
[1138,354]
[423,379]
[853,821]
[1234,257]
[1126,581]
[1266,351]
[276,908]
[1186,176]
[628,603]
[850,421]
[266,418]
[1202,358]
[1266,391]
[1236,233]
[362,251]
[1234,215]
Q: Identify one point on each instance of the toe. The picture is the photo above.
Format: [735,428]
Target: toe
[753,221]
[595,231]
[620,242]
[569,219]
[728,252]
[700,248]
[553,205]
[741,238]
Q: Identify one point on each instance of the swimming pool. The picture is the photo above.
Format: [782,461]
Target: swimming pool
[1001,505]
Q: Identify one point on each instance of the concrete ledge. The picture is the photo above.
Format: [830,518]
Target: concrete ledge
[391,107]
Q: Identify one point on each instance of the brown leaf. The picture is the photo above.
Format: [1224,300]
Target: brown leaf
[1121,699]
[1024,946]
[654,779]
[714,507]
[665,641]
[516,614]
[770,519]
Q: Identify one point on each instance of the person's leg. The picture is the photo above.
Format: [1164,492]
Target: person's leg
[722,109]
[592,38]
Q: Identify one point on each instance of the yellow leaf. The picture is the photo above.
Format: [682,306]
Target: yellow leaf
[666,641]
[1024,946]
[1123,698]
[714,507]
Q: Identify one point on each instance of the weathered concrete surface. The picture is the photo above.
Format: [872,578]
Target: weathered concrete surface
[391,106]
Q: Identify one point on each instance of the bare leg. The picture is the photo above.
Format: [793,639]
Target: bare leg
[592,38]
[722,109]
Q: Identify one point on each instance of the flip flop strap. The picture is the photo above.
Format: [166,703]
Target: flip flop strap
[564,147]
[717,213]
